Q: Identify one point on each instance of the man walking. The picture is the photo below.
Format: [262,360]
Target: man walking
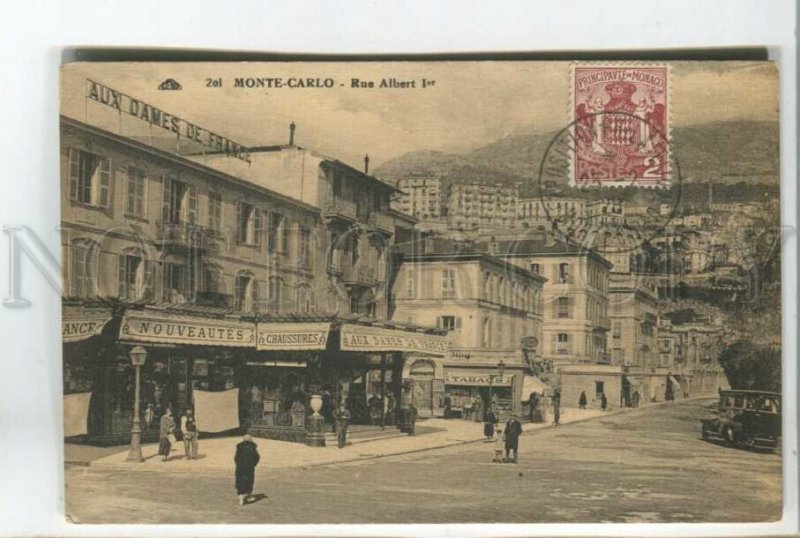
[246,459]
[582,400]
[603,402]
[556,406]
[189,434]
[342,420]
[511,435]
[166,428]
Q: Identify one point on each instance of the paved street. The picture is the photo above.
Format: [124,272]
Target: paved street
[647,465]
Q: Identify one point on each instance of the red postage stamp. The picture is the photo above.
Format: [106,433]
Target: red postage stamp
[621,125]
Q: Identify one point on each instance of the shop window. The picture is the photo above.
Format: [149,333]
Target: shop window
[215,212]
[83,268]
[305,248]
[180,201]
[245,295]
[248,224]
[136,197]
[89,178]
[135,276]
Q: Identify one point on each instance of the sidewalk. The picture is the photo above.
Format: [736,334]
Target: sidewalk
[216,455]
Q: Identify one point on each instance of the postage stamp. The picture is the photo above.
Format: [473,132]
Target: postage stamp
[621,115]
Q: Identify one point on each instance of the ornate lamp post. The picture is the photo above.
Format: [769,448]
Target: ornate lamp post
[138,358]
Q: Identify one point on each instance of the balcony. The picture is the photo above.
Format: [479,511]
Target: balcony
[603,324]
[214,299]
[650,319]
[360,275]
[340,209]
[185,235]
[381,222]
[604,358]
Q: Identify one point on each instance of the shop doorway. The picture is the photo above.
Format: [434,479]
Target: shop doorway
[425,392]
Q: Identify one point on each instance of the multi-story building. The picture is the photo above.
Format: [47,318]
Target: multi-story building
[476,206]
[492,310]
[536,212]
[633,309]
[690,351]
[420,196]
[575,296]
[250,292]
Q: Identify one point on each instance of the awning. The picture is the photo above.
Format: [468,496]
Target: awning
[476,378]
[291,336]
[674,381]
[370,339]
[168,329]
[532,384]
[79,323]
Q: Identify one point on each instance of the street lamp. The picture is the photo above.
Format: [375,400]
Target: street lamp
[138,358]
[501,368]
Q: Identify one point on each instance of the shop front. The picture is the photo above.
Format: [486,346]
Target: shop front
[472,390]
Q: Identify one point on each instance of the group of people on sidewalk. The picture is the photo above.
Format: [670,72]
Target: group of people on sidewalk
[188,431]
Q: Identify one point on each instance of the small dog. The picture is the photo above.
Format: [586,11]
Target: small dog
[498,456]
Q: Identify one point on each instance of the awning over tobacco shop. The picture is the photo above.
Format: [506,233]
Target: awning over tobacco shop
[476,378]
[533,384]
[367,338]
[165,328]
[79,323]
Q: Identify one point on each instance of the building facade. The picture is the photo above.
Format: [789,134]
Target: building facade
[475,206]
[420,197]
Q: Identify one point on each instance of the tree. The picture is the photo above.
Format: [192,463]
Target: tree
[753,367]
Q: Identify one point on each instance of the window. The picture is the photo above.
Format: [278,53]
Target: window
[212,279]
[180,201]
[304,298]
[561,344]
[215,212]
[616,331]
[245,295]
[448,283]
[135,197]
[564,273]
[563,308]
[305,247]
[83,268]
[599,388]
[135,276]
[449,323]
[248,224]
[535,268]
[563,338]
[176,285]
[278,234]
[89,178]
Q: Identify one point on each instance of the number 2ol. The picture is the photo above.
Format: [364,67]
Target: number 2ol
[214,82]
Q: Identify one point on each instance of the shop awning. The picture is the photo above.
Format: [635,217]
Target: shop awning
[79,323]
[165,328]
[374,339]
[476,378]
[276,336]
[532,384]
[674,381]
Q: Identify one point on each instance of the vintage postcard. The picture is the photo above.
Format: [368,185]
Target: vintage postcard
[421,292]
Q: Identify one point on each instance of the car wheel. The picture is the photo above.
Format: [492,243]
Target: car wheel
[730,436]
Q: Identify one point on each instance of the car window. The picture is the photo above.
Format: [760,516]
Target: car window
[738,401]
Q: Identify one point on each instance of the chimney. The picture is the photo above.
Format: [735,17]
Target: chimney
[366,163]
[292,127]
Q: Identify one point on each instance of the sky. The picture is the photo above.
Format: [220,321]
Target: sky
[470,104]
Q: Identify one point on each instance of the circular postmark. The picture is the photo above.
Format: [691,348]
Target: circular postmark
[609,181]
[357,265]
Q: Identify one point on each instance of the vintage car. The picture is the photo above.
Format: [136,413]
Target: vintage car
[746,418]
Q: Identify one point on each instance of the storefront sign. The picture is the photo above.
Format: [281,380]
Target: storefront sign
[125,104]
[292,336]
[476,378]
[363,338]
[191,331]
[81,327]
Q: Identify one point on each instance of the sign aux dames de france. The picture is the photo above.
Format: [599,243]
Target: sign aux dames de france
[363,338]
[126,104]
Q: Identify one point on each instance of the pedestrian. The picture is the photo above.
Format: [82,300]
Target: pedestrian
[556,406]
[246,459]
[582,400]
[511,435]
[189,434]
[477,404]
[636,398]
[448,404]
[342,420]
[603,401]
[489,420]
[390,409]
[374,408]
[166,428]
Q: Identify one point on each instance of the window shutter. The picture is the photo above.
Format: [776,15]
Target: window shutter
[122,290]
[165,211]
[148,280]
[553,343]
[74,171]
[571,303]
[254,294]
[239,227]
[458,322]
[257,227]
[191,205]
[284,236]
[104,185]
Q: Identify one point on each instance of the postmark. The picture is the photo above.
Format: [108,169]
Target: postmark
[620,117]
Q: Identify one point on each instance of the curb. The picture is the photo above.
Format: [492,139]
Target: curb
[614,412]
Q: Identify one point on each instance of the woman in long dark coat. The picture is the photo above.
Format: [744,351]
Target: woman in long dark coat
[246,460]
[489,420]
